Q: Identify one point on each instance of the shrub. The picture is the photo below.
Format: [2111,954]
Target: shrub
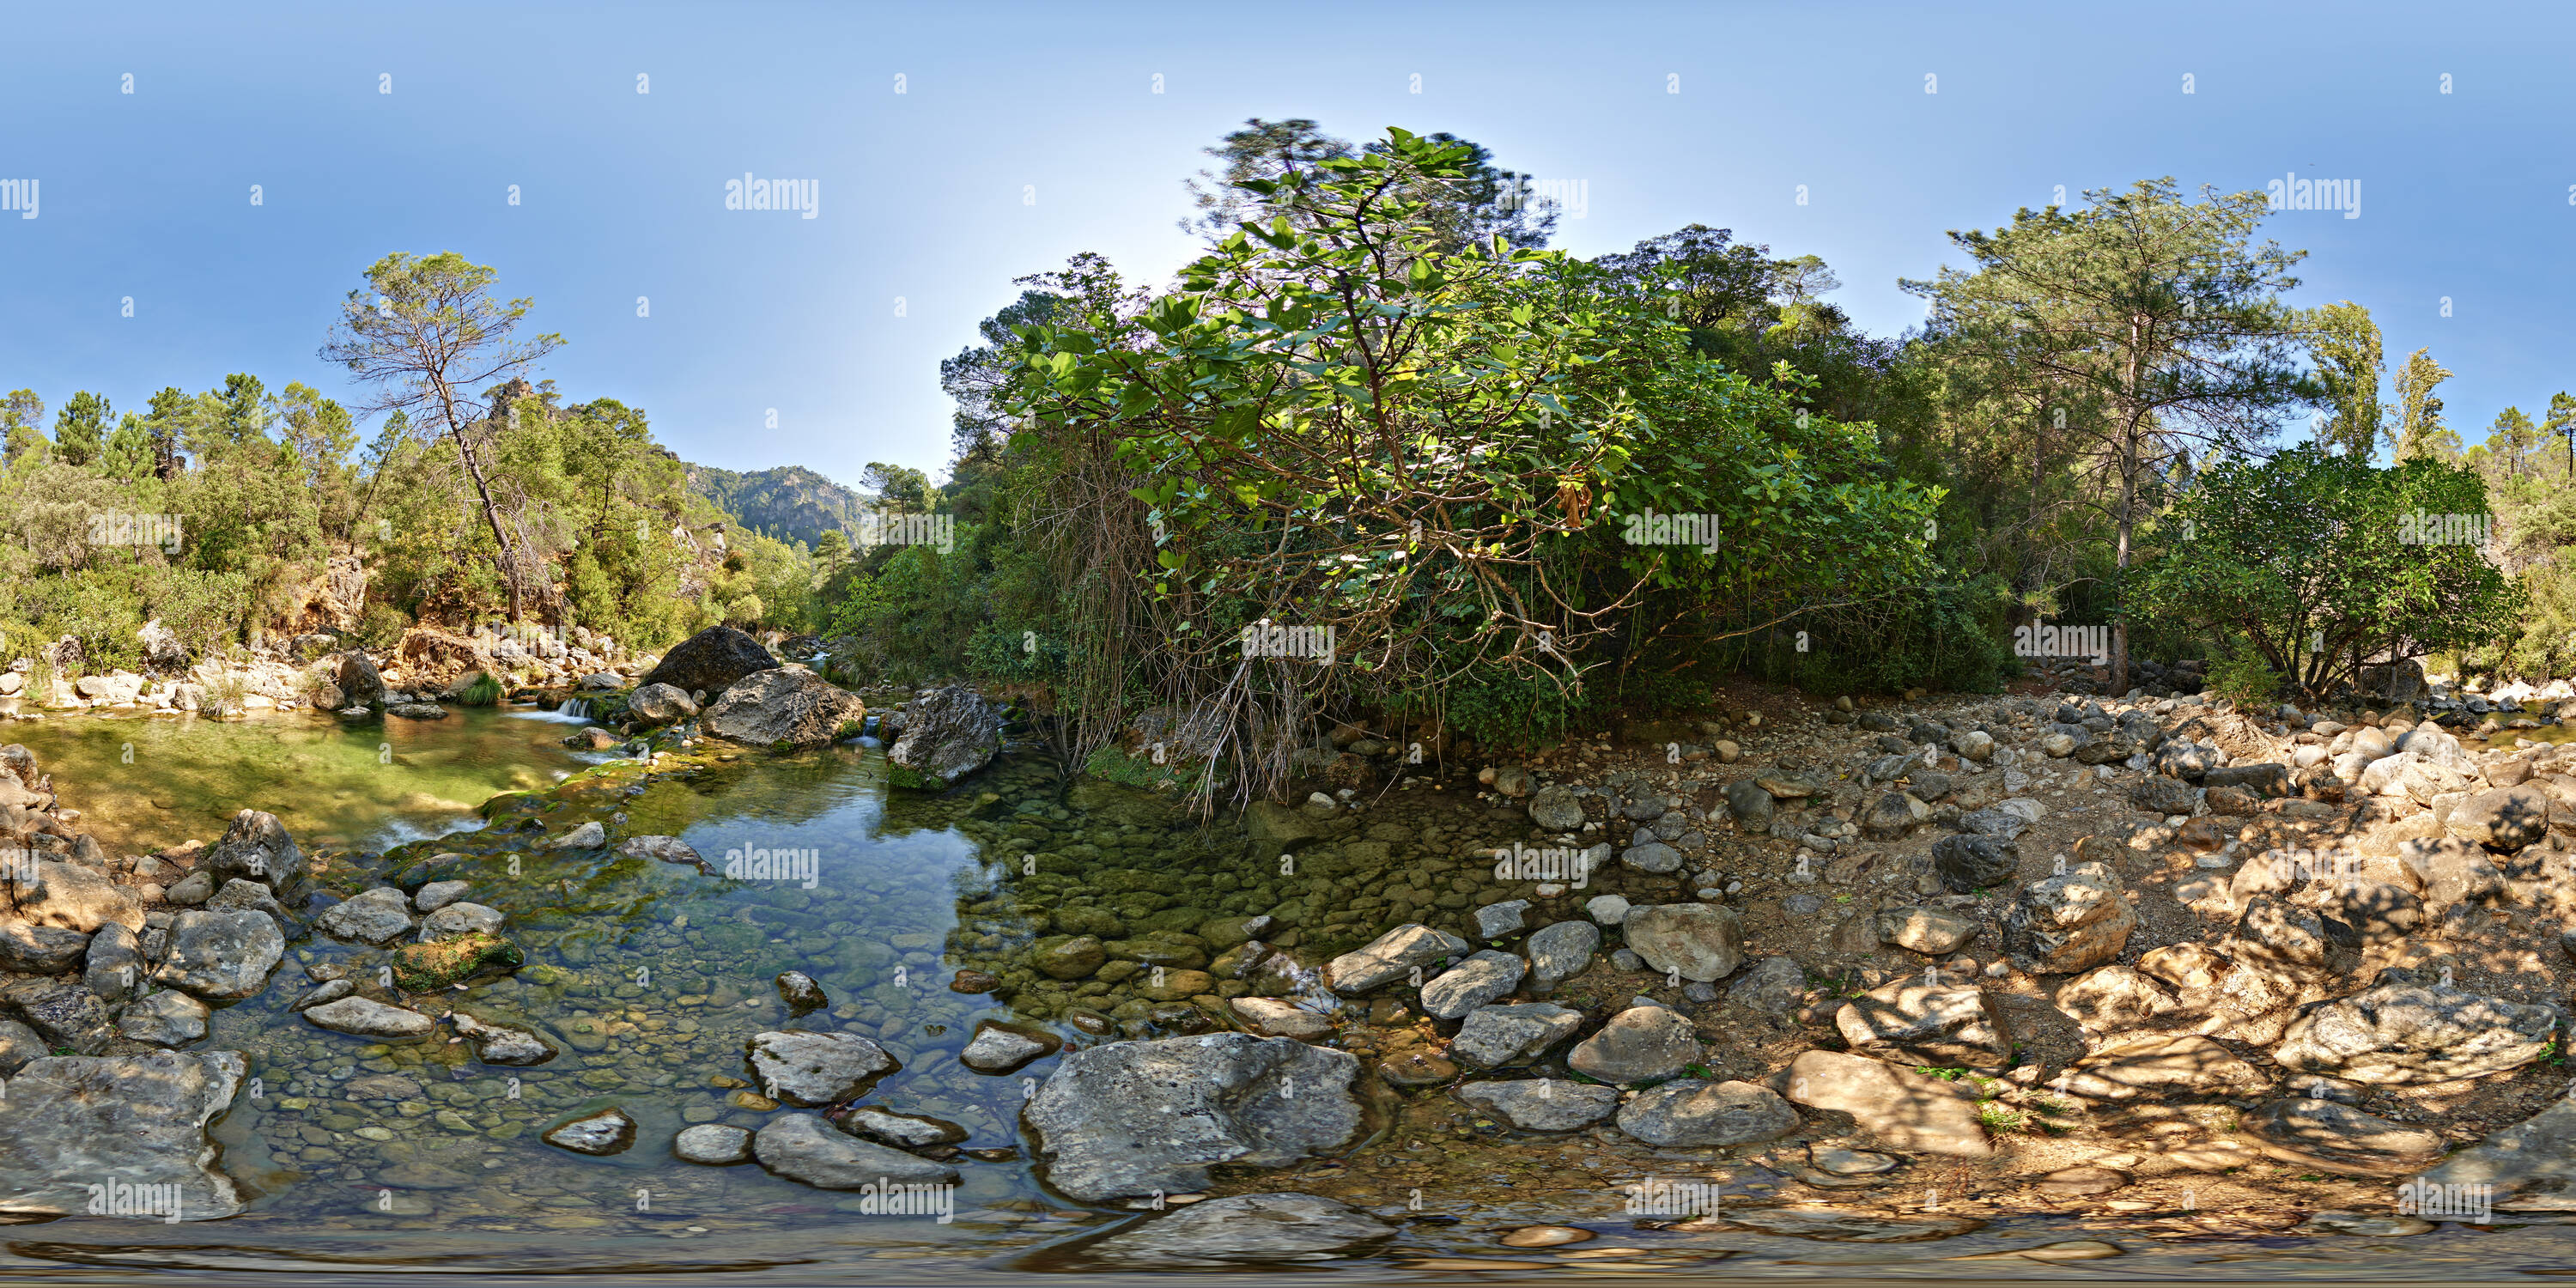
[381,627]
[484,691]
[2245,681]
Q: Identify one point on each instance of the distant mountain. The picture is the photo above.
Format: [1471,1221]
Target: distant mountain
[789,503]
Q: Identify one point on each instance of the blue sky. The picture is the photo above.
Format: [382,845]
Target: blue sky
[1027,133]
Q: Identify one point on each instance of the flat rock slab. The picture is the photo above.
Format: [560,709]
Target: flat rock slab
[2157,1064]
[2398,1033]
[1481,978]
[1908,1111]
[609,1131]
[168,1018]
[70,896]
[802,1147]
[120,1121]
[1844,1225]
[1495,1037]
[63,1013]
[1712,1114]
[223,955]
[1943,1025]
[379,917]
[2332,1137]
[1640,1044]
[1130,1118]
[502,1043]
[800,1068]
[1272,1018]
[1390,957]
[1542,1104]
[2531,1166]
[1245,1230]
[367,1018]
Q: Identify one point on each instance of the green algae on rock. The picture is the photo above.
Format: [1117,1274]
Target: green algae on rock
[426,968]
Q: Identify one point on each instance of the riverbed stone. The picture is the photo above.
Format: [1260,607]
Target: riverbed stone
[588,836]
[796,1067]
[788,706]
[1499,920]
[1944,1025]
[167,1018]
[598,1134]
[1908,1111]
[240,893]
[2528,1167]
[2157,1066]
[999,1049]
[1272,1018]
[1481,978]
[221,955]
[1068,956]
[1749,804]
[712,1145]
[1493,1037]
[903,1131]
[804,1148]
[438,894]
[1561,951]
[1772,987]
[1703,941]
[1245,1230]
[1542,1104]
[2504,818]
[427,968]
[1935,932]
[1652,857]
[18,1045]
[459,919]
[2310,1131]
[368,1018]
[378,916]
[662,703]
[2401,1033]
[139,1120]
[255,846]
[710,660]
[1967,864]
[1696,1113]
[501,1044]
[1390,957]
[1130,1118]
[948,733]
[114,967]
[64,1013]
[1556,808]
[2059,925]
[1640,1044]
[41,950]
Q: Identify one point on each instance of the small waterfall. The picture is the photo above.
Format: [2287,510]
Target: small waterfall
[576,708]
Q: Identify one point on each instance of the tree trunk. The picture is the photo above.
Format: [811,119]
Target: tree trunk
[491,513]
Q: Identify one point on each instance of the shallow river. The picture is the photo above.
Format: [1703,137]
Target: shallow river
[363,1161]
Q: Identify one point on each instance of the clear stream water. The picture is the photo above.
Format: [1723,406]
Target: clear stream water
[364,1160]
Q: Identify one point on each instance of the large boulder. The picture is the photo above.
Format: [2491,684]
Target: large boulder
[710,661]
[2505,818]
[1945,1025]
[1640,1044]
[82,1132]
[1131,1118]
[256,848]
[2401,1033]
[661,703]
[948,733]
[359,682]
[2528,1167]
[1704,942]
[225,955]
[1905,1110]
[783,706]
[2063,924]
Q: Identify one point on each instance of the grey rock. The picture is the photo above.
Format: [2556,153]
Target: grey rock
[439,894]
[1892,816]
[802,995]
[18,1045]
[662,849]
[1653,856]
[69,896]
[367,1018]
[1694,1113]
[1130,1118]
[359,682]
[1999,824]
[1970,863]
[242,894]
[661,703]
[948,733]
[41,950]
[1542,1104]
[1640,1044]
[1703,941]
[903,1131]
[1272,1018]
[1606,909]
[796,1067]
[608,1131]
[1496,920]
[2451,871]
[2528,1167]
[1560,952]
[140,1120]
[61,1012]
[329,990]
[1943,1025]
[1245,1230]
[1495,1037]
[255,846]
[997,1049]
[1772,987]
[2505,818]
[712,1145]
[221,955]
[2158,794]
[2063,924]
[2398,1033]
[1556,808]
[2308,1131]
[379,917]
[710,660]
[793,706]
[1750,805]
[501,1044]
[167,1018]
[460,918]
[588,836]
[114,967]
[1481,978]
[1390,957]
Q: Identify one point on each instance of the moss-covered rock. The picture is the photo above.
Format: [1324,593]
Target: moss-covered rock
[427,968]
